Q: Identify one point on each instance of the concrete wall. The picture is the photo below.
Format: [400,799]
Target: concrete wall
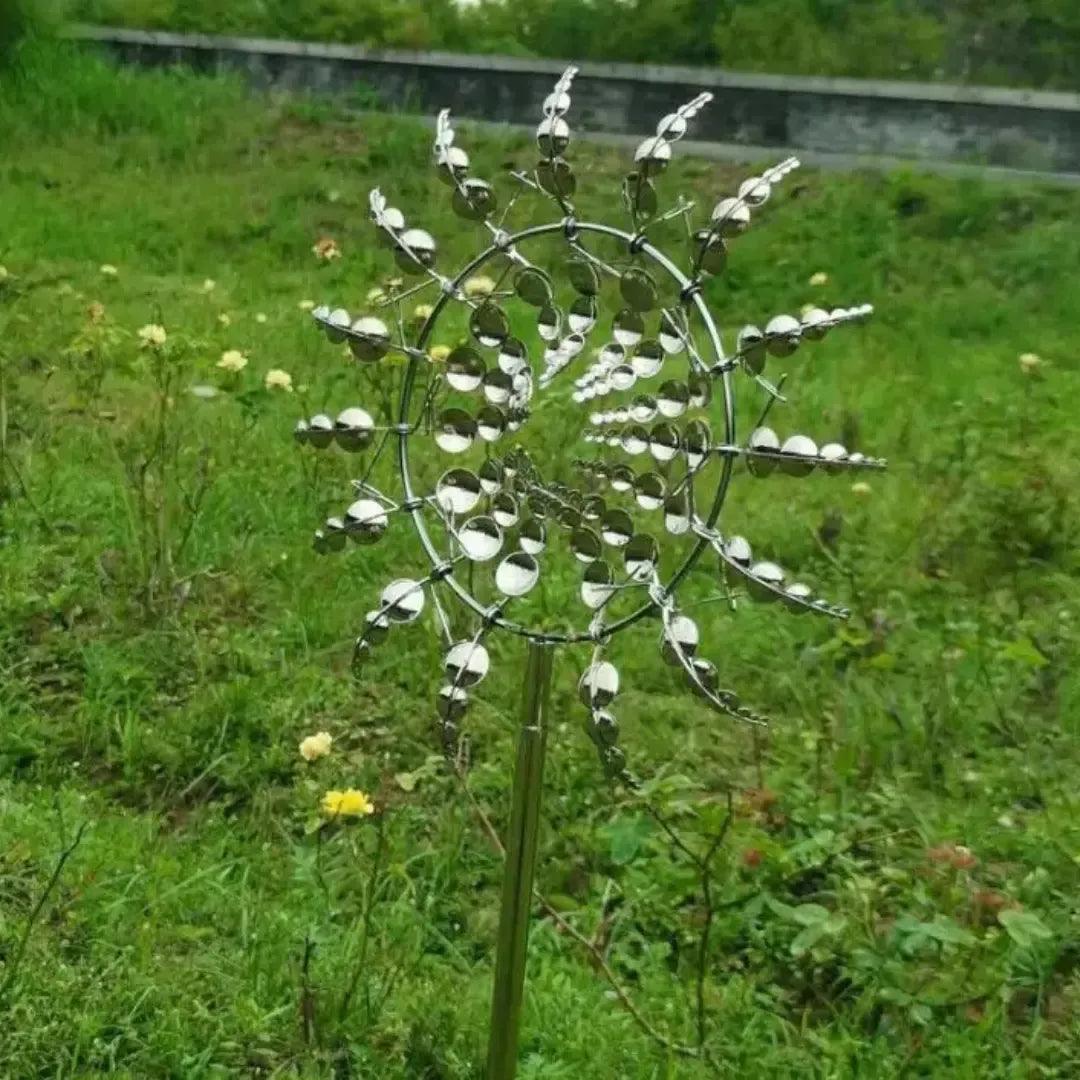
[1023,130]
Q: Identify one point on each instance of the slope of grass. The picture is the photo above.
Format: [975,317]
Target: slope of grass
[897,894]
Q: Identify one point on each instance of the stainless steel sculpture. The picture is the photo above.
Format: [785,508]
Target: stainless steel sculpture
[581,314]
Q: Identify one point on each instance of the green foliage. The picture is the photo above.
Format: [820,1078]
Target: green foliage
[1024,927]
[1022,42]
[897,893]
[57,89]
[23,19]
[814,37]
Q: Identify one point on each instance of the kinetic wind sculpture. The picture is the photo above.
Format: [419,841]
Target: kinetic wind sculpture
[599,316]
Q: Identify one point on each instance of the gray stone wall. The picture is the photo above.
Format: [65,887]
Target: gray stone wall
[1022,130]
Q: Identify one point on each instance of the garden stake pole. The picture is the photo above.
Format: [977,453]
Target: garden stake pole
[521,848]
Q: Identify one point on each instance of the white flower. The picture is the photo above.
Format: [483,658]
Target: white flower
[108,270]
[376,295]
[232,360]
[306,305]
[316,746]
[209,285]
[481,285]
[224,319]
[276,379]
[861,488]
[422,312]
[820,278]
[152,336]
[1030,362]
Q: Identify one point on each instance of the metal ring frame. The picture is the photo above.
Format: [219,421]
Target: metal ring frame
[415,506]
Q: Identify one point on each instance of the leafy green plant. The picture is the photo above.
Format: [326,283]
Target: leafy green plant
[1023,42]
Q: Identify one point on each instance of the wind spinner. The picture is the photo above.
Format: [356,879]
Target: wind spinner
[584,440]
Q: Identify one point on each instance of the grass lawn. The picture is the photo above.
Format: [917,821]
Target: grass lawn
[897,895]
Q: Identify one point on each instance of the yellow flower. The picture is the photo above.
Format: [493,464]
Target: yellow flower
[152,336]
[108,270]
[276,379]
[376,295]
[326,249]
[209,285]
[306,305]
[232,360]
[260,317]
[1030,362]
[820,278]
[422,312]
[224,319]
[481,285]
[316,746]
[349,803]
[439,353]
[861,488]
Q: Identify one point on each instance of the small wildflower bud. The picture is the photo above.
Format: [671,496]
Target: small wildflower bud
[348,803]
[478,286]
[861,488]
[820,278]
[963,858]
[422,312]
[108,270]
[260,317]
[306,305]
[326,250]
[1030,363]
[752,857]
[316,746]
[209,285]
[152,336]
[232,360]
[439,353]
[276,379]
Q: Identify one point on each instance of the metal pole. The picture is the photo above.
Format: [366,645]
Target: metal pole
[521,846]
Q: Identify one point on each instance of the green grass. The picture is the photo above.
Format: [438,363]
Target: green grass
[943,713]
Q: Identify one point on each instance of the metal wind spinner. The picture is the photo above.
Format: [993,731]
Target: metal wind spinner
[580,316]
[535,504]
